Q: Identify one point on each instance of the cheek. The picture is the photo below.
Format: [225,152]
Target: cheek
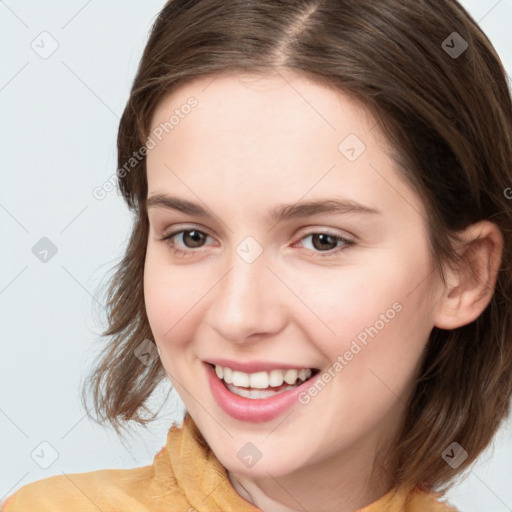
[374,358]
[343,304]
[169,299]
[376,316]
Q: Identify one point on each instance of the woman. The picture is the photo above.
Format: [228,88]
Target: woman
[360,375]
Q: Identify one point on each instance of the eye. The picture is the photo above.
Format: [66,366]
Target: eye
[324,243]
[193,237]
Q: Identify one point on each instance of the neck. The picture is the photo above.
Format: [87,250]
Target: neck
[323,487]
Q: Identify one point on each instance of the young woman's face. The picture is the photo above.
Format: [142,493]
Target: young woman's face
[248,287]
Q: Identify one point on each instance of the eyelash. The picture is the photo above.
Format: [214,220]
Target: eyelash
[347,244]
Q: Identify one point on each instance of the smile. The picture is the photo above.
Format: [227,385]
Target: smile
[260,396]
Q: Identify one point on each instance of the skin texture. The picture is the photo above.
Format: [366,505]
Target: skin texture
[250,144]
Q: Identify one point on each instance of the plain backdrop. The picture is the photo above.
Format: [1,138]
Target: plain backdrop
[66,69]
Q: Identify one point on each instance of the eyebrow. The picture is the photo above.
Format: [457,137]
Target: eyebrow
[278,213]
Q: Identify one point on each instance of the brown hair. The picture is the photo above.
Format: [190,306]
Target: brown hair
[448,116]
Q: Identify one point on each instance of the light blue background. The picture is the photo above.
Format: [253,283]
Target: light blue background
[59,124]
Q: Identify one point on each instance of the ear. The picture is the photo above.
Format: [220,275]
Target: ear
[470,286]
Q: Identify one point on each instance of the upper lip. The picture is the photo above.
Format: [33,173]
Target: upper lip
[254,366]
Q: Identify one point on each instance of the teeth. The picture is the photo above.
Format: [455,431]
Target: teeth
[240,379]
[256,394]
[275,378]
[262,380]
[228,374]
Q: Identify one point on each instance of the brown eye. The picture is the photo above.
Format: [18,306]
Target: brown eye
[327,244]
[324,241]
[193,238]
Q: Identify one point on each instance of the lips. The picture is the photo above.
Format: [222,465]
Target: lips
[254,410]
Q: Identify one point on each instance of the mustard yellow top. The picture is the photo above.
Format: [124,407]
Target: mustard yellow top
[185,477]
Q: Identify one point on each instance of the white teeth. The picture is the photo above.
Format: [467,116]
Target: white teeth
[240,379]
[262,380]
[275,378]
[256,394]
[258,380]
[228,373]
[291,376]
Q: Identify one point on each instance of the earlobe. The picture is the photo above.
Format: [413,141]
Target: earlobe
[470,286]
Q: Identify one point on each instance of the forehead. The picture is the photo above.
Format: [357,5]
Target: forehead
[275,133]
[275,120]
[269,96]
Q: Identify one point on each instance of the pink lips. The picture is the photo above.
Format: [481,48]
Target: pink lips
[246,409]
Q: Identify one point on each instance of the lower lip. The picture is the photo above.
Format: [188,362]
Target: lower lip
[257,410]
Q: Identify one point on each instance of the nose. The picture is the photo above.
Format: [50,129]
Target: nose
[248,301]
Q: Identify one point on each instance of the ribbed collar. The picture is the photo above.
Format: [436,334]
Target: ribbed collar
[201,476]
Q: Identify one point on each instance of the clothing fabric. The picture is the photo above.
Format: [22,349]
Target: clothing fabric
[185,476]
